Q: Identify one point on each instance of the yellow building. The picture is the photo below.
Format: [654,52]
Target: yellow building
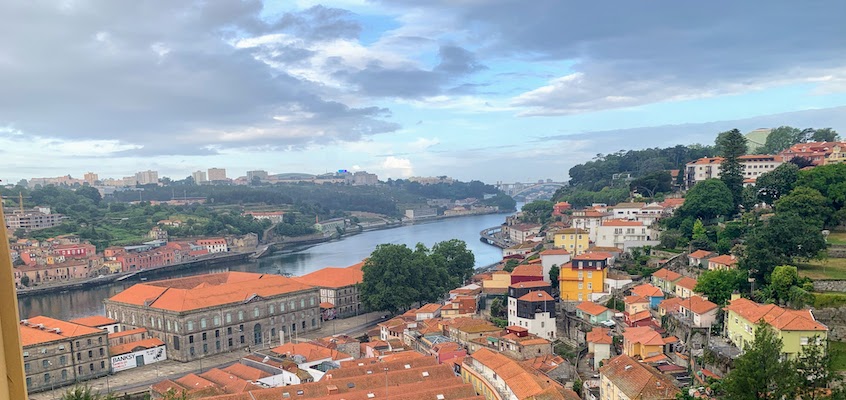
[837,156]
[642,342]
[574,240]
[499,282]
[795,328]
[583,276]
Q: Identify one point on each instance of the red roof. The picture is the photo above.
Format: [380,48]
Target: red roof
[687,283]
[666,275]
[599,336]
[94,321]
[647,290]
[698,305]
[554,252]
[332,277]
[701,254]
[597,256]
[538,295]
[779,318]
[530,284]
[591,308]
[135,346]
[528,270]
[727,260]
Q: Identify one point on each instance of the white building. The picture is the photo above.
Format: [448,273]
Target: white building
[137,354]
[214,245]
[627,210]
[217,174]
[421,213]
[553,257]
[199,177]
[589,220]
[147,177]
[622,234]
[698,311]
[519,233]
[530,306]
[752,166]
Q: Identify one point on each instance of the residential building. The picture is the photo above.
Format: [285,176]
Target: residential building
[217,174]
[58,353]
[685,287]
[623,234]
[636,310]
[590,220]
[32,220]
[669,306]
[574,240]
[642,342]
[147,177]
[527,273]
[498,377]
[649,292]
[309,355]
[79,250]
[752,166]
[362,178]
[90,178]
[421,213]
[699,258]
[665,280]
[624,378]
[429,311]
[214,245]
[272,216]
[594,313]
[498,284]
[725,261]
[259,175]
[820,153]
[157,233]
[199,177]
[531,306]
[627,210]
[599,343]
[338,287]
[215,313]
[520,249]
[698,312]
[561,208]
[553,257]
[583,277]
[459,306]
[795,328]
[519,233]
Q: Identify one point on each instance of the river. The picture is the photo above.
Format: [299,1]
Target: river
[338,253]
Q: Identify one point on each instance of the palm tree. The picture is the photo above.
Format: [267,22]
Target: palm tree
[85,393]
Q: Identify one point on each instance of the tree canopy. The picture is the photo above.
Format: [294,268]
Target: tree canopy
[456,258]
[537,211]
[759,373]
[776,183]
[719,284]
[732,145]
[707,200]
[779,240]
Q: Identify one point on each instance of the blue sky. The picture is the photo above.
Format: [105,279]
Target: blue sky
[497,91]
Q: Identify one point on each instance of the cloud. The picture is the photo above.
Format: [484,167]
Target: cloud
[422,144]
[96,70]
[395,167]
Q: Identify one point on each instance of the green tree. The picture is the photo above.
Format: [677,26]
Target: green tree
[782,279]
[577,386]
[732,145]
[759,373]
[454,256]
[772,185]
[554,271]
[25,280]
[830,180]
[653,183]
[825,135]
[807,203]
[815,370]
[707,200]
[700,240]
[84,393]
[388,282]
[781,138]
[510,265]
[538,211]
[778,241]
[718,285]
[497,308]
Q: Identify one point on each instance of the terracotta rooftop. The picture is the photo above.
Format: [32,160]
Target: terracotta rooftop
[635,299]
[197,292]
[594,256]
[629,205]
[671,304]
[332,277]
[246,373]
[522,383]
[94,321]
[644,335]
[591,308]
[310,351]
[707,160]
[429,308]
[599,336]
[726,259]
[697,304]
[686,282]
[228,383]
[554,252]
[528,270]
[571,231]
[127,332]
[45,329]
[530,284]
[135,346]
[538,295]
[647,290]
[666,275]
[701,253]
[780,318]
[637,380]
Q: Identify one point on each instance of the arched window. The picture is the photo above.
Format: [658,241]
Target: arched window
[216,320]
[189,325]
[240,315]
[282,307]
[228,318]
[203,323]
[311,301]
[256,312]
[271,309]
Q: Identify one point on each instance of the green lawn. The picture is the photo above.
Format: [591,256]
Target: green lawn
[837,238]
[839,349]
[832,268]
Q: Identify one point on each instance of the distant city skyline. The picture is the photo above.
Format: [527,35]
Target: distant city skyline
[400,88]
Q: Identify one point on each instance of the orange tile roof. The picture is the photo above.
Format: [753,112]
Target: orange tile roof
[228,383]
[634,300]
[698,305]
[55,329]
[530,284]
[671,304]
[132,346]
[637,380]
[595,256]
[640,315]
[621,222]
[127,332]
[31,336]
[666,275]
[94,321]
[701,253]
[647,290]
[332,277]
[571,231]
[708,160]
[429,308]
[554,252]
[726,259]
[644,335]
[591,308]
[686,282]
[599,336]
[203,291]
[246,372]
[522,383]
[538,295]
[527,270]
[780,318]
[310,351]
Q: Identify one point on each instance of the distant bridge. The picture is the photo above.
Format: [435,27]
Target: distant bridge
[514,189]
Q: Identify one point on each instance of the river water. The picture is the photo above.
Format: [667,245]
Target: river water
[339,253]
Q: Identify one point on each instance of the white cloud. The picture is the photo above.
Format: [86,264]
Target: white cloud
[396,167]
[421,144]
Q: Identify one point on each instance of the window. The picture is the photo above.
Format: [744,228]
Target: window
[99,340]
[63,360]
[590,286]
[313,322]
[205,348]
[282,307]
[229,330]
[217,345]
[175,342]
[91,367]
[168,325]
[240,315]
[242,339]
[192,350]
[190,326]
[191,339]
[216,320]
[102,352]
[271,309]
[228,318]
[64,375]
[102,364]
[311,301]
[803,341]
[204,336]
[28,382]
[89,342]
[581,285]
[302,303]
[203,323]
[304,325]
[230,342]
[256,312]
[78,356]
[590,274]
[292,305]
[46,378]
[90,354]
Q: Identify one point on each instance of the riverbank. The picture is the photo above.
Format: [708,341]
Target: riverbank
[133,275]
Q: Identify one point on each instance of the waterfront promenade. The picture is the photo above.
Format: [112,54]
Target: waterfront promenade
[139,379]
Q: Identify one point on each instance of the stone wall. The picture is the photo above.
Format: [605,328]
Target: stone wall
[829,286]
[835,320]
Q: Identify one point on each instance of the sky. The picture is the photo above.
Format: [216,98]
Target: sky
[495,90]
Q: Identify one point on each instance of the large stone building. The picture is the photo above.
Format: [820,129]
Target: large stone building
[338,287]
[32,220]
[58,353]
[210,314]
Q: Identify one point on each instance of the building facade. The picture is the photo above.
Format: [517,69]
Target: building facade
[217,174]
[574,240]
[583,276]
[795,328]
[339,287]
[32,220]
[532,307]
[216,313]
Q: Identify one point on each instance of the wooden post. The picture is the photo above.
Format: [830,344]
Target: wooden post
[11,357]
